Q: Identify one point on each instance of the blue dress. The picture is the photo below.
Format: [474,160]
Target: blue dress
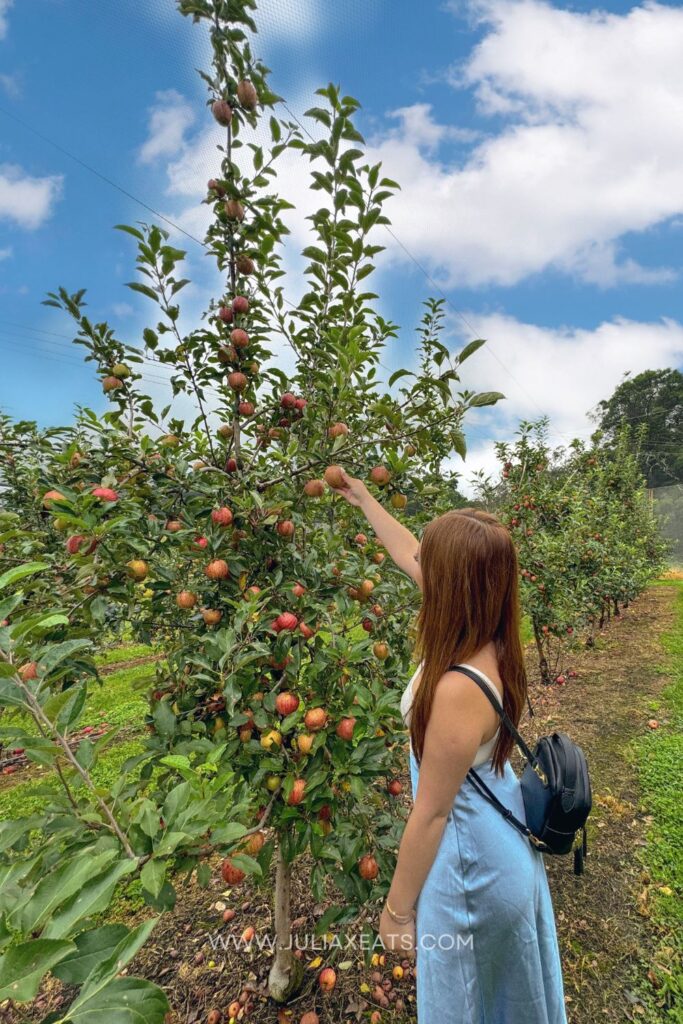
[487,950]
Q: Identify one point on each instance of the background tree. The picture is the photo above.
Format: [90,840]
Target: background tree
[652,400]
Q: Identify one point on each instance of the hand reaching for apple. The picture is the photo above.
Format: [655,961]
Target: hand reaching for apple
[349,487]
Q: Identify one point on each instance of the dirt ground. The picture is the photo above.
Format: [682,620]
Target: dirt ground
[602,924]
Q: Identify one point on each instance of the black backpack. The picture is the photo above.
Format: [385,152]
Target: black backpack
[556,789]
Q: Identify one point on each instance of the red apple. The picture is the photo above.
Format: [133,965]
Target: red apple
[222,111]
[327,979]
[231,873]
[247,95]
[314,488]
[234,209]
[334,476]
[286,703]
[111,384]
[285,621]
[222,516]
[237,380]
[380,475]
[245,264]
[239,337]
[105,494]
[212,616]
[51,496]
[368,868]
[297,794]
[345,728]
[315,719]
[217,569]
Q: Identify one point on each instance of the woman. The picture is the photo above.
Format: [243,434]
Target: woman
[470,894]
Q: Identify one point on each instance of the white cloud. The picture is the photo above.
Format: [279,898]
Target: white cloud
[122,309]
[562,372]
[6,253]
[26,200]
[586,154]
[10,83]
[169,118]
[4,10]
[291,21]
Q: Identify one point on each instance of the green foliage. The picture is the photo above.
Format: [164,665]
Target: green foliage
[651,404]
[585,531]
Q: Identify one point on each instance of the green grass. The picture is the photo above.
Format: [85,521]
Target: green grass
[120,702]
[123,652]
[24,798]
[659,761]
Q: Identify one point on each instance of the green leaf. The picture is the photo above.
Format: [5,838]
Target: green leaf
[41,751]
[10,831]
[124,952]
[226,834]
[92,947]
[63,709]
[22,968]
[459,443]
[56,887]
[143,289]
[93,897]
[38,624]
[164,719]
[60,652]
[122,1001]
[10,604]
[152,876]
[470,349]
[204,876]
[10,694]
[399,373]
[19,572]
[151,338]
[486,398]
[130,230]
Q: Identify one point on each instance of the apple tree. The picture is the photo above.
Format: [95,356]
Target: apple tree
[286,631]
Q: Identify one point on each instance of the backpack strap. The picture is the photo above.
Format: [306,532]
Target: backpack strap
[484,791]
[505,718]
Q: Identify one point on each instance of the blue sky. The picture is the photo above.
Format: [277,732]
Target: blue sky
[538,146]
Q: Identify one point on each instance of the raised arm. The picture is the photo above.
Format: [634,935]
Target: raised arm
[400,543]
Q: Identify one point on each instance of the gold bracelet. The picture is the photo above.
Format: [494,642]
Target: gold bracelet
[399,918]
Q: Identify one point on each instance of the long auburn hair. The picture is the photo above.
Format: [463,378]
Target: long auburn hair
[470,577]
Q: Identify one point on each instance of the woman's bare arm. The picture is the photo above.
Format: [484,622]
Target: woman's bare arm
[400,543]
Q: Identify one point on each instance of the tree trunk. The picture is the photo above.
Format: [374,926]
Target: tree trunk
[616,608]
[286,973]
[542,662]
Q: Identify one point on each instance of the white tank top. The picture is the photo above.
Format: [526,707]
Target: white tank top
[486,749]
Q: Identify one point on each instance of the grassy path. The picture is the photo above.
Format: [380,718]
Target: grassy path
[616,923]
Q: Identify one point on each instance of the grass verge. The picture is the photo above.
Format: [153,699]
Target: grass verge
[658,758]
